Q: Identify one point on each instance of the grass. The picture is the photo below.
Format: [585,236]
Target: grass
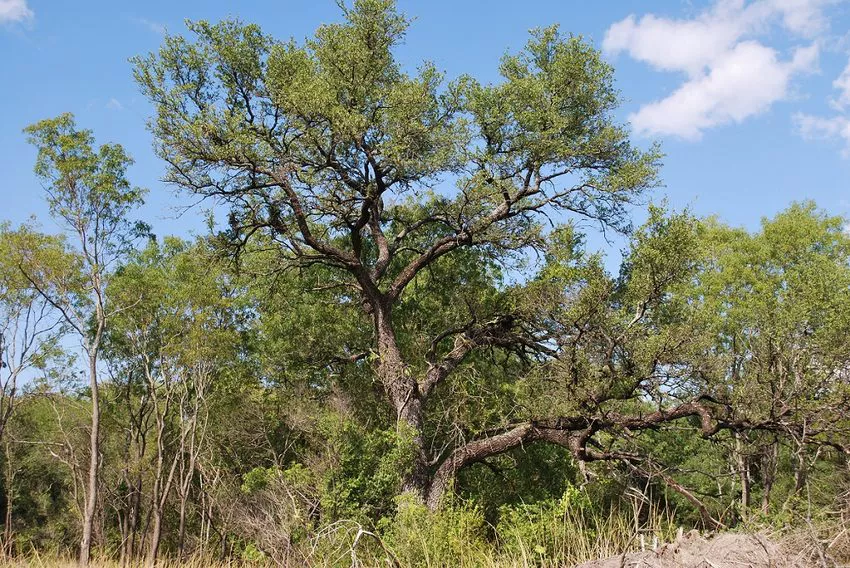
[561,533]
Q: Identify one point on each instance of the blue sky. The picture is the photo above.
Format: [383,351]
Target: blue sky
[750,100]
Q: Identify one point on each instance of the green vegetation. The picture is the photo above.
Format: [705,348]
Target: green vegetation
[399,349]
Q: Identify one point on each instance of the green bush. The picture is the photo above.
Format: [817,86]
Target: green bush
[456,535]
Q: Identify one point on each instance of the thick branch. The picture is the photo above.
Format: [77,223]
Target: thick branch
[574,433]
[498,332]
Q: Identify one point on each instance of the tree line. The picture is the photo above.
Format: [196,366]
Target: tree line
[400,310]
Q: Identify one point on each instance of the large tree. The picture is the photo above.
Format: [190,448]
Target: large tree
[400,189]
[342,158]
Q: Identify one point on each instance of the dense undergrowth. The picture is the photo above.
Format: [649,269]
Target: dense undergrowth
[553,533]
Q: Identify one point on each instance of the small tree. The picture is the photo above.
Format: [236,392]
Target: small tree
[88,193]
[775,305]
[178,334]
[29,334]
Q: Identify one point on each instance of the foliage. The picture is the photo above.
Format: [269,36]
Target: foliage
[400,348]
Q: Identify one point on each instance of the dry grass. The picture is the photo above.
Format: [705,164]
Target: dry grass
[726,550]
[541,539]
[39,561]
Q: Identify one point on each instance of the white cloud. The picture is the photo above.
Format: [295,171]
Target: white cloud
[842,83]
[155,27]
[730,75]
[818,127]
[15,11]
[114,104]
[803,17]
[741,83]
[670,45]
[835,127]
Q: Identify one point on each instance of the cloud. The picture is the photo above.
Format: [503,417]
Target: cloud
[155,27]
[835,127]
[822,128]
[15,11]
[114,104]
[729,75]
[743,82]
[802,17]
[842,83]
[675,45]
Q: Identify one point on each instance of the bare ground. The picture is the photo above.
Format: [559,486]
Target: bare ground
[728,550]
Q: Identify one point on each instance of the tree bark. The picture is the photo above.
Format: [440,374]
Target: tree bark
[768,474]
[10,495]
[573,433]
[800,470]
[471,453]
[743,467]
[156,536]
[181,532]
[94,462]
[403,391]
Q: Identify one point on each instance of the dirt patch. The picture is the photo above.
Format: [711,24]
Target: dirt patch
[729,550]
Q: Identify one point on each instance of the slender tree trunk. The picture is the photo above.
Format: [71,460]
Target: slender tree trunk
[743,466]
[800,471]
[181,532]
[134,518]
[768,474]
[202,513]
[189,443]
[134,455]
[94,463]
[129,519]
[206,530]
[162,487]
[124,527]
[10,494]
[183,490]
[206,505]
[186,474]
[156,510]
[156,536]
[162,479]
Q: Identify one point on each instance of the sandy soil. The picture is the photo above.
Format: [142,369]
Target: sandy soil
[729,550]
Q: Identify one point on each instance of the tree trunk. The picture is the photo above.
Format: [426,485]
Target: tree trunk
[403,391]
[161,489]
[801,470]
[181,532]
[188,453]
[156,536]
[129,519]
[94,463]
[124,528]
[7,528]
[743,466]
[162,480]
[768,474]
